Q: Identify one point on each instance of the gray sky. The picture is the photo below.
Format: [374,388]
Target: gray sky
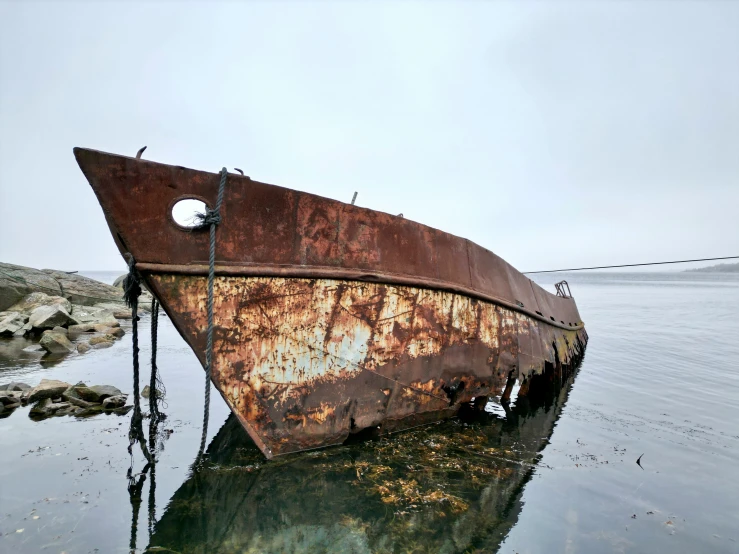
[555,134]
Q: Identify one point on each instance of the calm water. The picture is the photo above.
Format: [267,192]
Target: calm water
[660,379]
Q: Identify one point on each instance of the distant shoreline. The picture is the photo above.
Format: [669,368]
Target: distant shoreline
[720,268]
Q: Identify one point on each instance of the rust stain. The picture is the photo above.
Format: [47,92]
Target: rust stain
[332,318]
[325,358]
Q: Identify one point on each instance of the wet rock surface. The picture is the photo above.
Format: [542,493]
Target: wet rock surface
[83,290]
[146,392]
[37,299]
[48,317]
[94,315]
[117,401]
[17,282]
[104,391]
[8,398]
[47,388]
[102,341]
[58,398]
[68,314]
[56,342]
[12,322]
[14,386]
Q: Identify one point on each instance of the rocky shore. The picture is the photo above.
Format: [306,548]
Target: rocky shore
[61,314]
[65,312]
[57,398]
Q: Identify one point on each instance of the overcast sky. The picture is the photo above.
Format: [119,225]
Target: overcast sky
[556,134]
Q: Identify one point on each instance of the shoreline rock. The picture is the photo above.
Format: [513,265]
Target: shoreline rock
[17,282]
[12,322]
[55,342]
[47,388]
[58,308]
[57,398]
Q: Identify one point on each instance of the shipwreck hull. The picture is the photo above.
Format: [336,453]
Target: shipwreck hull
[303,363]
[331,318]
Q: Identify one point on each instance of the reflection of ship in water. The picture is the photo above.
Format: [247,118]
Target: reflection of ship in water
[455,486]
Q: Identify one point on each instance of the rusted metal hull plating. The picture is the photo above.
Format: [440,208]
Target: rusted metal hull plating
[304,363]
[331,318]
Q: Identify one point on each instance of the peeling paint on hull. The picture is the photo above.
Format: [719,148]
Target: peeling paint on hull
[332,318]
[304,363]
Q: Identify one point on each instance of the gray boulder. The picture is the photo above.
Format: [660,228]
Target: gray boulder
[34,349]
[89,412]
[117,332]
[72,396]
[48,317]
[56,343]
[104,328]
[47,388]
[94,315]
[17,282]
[76,331]
[122,314]
[47,407]
[23,331]
[15,386]
[83,290]
[29,303]
[83,347]
[12,322]
[105,391]
[85,393]
[8,398]
[41,408]
[112,402]
[103,341]
[81,328]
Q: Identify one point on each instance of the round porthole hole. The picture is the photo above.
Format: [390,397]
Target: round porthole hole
[185,212]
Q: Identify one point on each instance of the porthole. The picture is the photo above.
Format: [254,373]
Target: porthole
[186,212]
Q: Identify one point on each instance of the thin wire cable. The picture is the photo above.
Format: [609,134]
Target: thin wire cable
[632,265]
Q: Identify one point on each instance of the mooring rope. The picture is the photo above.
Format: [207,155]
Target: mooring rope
[211,218]
[135,489]
[131,293]
[156,386]
[632,265]
[152,499]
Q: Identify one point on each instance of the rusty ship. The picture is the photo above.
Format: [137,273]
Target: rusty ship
[332,319]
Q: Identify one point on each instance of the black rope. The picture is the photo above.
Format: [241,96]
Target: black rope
[156,386]
[131,293]
[632,265]
[135,488]
[211,218]
[152,499]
